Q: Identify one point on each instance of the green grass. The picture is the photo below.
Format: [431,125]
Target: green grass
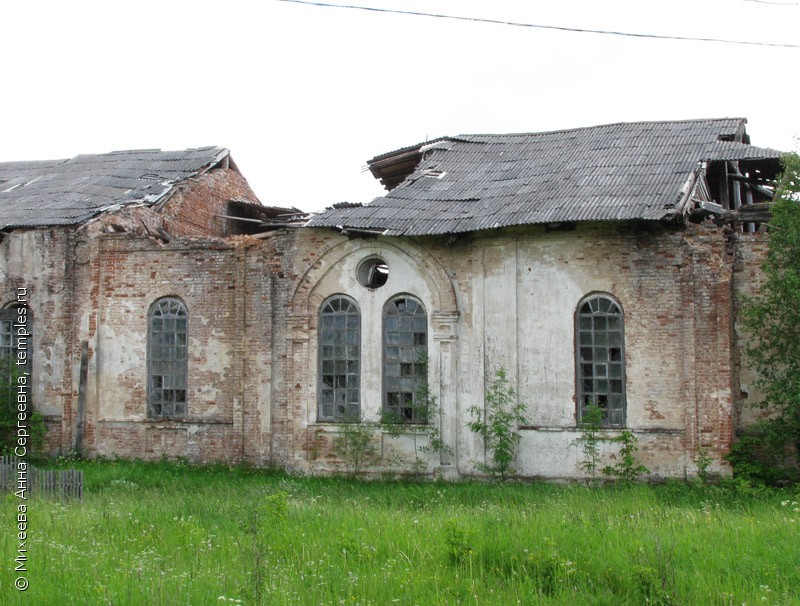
[172,534]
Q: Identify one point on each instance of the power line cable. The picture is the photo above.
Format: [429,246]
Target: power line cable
[773,3]
[539,26]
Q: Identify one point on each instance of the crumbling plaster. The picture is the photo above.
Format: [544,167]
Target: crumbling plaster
[500,298]
[515,294]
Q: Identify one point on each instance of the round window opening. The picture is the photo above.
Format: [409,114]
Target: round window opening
[373,272]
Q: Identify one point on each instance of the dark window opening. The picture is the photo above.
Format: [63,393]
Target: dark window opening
[16,348]
[373,273]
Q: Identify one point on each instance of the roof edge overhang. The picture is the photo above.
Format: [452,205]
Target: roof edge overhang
[665,219]
[392,168]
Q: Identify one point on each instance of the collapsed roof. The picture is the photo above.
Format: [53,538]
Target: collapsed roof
[68,192]
[648,171]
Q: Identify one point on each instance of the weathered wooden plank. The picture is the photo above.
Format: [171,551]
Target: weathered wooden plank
[51,483]
[82,381]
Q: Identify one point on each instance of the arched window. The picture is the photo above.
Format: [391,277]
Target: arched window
[405,351]
[600,364]
[339,360]
[167,358]
[16,344]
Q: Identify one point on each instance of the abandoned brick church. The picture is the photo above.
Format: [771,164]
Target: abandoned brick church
[172,314]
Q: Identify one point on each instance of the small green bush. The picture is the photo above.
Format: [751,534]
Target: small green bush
[590,427]
[353,445]
[458,543]
[499,424]
[9,419]
[629,468]
[754,464]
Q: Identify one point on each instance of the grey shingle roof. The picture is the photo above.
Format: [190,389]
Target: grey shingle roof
[68,192]
[613,172]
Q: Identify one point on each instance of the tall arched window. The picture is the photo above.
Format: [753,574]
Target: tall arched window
[339,360]
[167,358]
[600,364]
[405,351]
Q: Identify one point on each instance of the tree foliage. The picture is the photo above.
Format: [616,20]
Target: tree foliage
[773,318]
[499,423]
[628,468]
[353,444]
[8,404]
[10,421]
[591,425]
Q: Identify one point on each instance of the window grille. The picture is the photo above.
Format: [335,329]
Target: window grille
[405,349]
[167,359]
[600,360]
[11,342]
[339,360]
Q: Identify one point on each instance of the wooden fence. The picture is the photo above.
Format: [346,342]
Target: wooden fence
[53,483]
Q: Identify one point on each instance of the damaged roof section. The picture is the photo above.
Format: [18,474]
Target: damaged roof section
[68,192]
[627,171]
[249,218]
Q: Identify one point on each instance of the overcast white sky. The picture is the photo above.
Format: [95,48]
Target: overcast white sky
[304,95]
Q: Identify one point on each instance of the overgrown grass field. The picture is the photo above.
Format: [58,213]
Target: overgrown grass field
[172,534]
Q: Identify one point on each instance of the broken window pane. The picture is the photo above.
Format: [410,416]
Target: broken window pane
[405,338]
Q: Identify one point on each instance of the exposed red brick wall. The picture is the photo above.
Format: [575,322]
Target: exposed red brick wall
[196,208]
[228,287]
[253,318]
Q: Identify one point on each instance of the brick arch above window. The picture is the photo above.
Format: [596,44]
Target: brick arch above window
[328,269]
